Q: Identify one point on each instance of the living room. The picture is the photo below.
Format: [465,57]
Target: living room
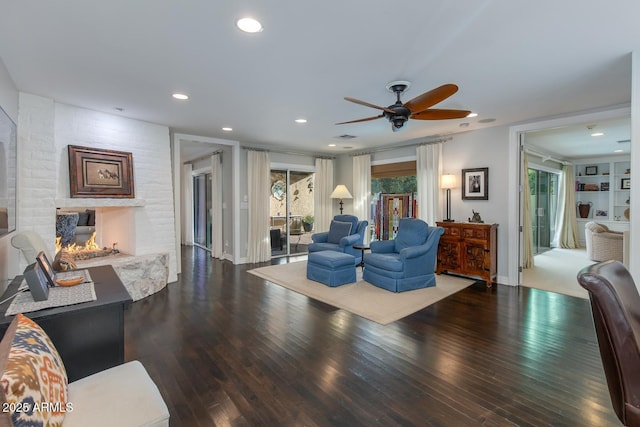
[47,126]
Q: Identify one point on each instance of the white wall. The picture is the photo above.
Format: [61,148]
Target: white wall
[8,255]
[46,128]
[480,149]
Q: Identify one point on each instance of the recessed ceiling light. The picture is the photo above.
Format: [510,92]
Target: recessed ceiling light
[332,145]
[180,96]
[301,120]
[227,129]
[249,25]
[472,115]
[597,134]
[618,151]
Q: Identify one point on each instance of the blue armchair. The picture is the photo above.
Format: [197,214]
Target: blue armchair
[336,239]
[406,263]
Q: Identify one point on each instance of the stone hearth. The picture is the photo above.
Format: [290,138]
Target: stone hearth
[142,275]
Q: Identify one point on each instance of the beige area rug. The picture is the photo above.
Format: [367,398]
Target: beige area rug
[557,270]
[362,298]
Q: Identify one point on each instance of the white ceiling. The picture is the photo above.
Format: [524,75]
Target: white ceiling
[576,142]
[513,61]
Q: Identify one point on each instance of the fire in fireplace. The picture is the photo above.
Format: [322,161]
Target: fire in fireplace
[87,251]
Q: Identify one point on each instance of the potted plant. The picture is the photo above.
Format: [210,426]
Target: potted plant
[307,223]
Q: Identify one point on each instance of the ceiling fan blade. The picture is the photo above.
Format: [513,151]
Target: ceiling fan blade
[434,96]
[361,120]
[437,114]
[366,104]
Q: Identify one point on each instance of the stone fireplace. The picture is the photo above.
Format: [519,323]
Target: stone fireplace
[141,226]
[115,220]
[115,228]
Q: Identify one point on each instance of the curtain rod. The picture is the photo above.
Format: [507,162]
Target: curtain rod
[546,157]
[204,156]
[293,153]
[396,147]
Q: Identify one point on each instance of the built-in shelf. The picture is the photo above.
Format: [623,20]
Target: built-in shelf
[99,203]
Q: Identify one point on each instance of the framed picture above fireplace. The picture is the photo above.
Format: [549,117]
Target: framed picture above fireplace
[94,172]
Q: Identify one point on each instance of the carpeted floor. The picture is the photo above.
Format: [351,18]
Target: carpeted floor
[362,298]
[556,271]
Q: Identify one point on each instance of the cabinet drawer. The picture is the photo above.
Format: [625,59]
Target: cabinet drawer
[475,233]
[451,231]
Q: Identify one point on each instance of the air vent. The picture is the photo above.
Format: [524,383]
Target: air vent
[624,141]
[346,136]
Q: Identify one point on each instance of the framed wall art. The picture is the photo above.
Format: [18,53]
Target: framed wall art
[591,170]
[625,184]
[94,172]
[475,184]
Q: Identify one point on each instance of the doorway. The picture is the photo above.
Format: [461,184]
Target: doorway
[561,129]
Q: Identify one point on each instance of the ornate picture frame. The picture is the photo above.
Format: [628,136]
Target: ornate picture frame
[475,184]
[94,172]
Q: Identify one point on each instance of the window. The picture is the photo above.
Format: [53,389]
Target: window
[394,187]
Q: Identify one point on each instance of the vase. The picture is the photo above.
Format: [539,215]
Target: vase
[584,208]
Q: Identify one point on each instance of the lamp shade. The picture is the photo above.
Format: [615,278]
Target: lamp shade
[448,181]
[341,192]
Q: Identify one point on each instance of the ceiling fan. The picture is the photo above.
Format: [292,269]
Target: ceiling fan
[417,108]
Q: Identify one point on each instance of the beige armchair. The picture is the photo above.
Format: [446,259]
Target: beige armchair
[602,243]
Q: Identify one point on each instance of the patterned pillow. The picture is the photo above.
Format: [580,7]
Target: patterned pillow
[34,381]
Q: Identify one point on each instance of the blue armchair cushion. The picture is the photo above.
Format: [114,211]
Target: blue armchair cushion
[338,230]
[348,218]
[413,233]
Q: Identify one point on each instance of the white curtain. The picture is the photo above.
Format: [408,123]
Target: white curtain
[566,223]
[216,205]
[429,169]
[527,226]
[187,204]
[362,189]
[322,189]
[259,178]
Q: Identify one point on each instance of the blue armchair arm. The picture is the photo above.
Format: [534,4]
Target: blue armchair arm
[414,251]
[350,240]
[320,237]
[383,246]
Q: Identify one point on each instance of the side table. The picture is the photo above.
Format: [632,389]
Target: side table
[362,248]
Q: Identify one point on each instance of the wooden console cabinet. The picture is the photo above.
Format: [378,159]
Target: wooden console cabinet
[469,249]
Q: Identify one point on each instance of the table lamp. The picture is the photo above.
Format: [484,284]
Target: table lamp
[448,182]
[341,192]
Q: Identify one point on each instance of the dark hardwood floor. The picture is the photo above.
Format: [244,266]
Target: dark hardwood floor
[228,348]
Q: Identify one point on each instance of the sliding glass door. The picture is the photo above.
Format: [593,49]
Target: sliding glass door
[291,216]
[202,210]
[544,204]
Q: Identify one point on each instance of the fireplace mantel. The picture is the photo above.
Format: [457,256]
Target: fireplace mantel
[98,203]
